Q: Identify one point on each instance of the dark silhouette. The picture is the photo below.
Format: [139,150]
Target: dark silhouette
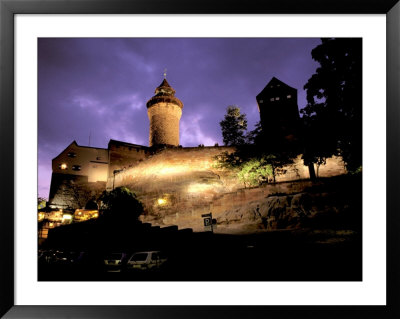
[120,204]
[333,115]
[233,126]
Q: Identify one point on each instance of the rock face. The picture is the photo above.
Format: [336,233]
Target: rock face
[278,212]
[333,204]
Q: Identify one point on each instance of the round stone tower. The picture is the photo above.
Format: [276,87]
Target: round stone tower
[164,111]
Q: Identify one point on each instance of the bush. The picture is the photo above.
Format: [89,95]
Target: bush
[120,203]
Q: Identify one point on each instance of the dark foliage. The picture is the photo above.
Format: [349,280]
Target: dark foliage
[233,126]
[120,204]
[333,114]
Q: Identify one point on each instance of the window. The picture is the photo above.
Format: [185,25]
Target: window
[272,99]
[63,166]
[139,257]
[94,166]
[98,158]
[71,154]
[76,168]
[289,96]
[277,98]
[261,101]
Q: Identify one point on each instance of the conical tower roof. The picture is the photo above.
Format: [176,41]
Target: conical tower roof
[164,93]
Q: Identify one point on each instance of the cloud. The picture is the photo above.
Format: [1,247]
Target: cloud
[192,133]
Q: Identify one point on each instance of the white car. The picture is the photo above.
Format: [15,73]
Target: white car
[146,260]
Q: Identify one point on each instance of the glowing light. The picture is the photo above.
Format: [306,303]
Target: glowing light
[172,170]
[161,201]
[41,216]
[199,188]
[95,215]
[51,224]
[63,166]
[67,217]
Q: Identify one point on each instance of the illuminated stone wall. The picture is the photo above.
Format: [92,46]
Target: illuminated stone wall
[124,156]
[177,185]
[164,123]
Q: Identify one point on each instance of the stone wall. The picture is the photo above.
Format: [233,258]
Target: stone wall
[178,185]
[124,156]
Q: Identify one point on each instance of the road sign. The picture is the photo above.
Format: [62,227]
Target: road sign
[208,222]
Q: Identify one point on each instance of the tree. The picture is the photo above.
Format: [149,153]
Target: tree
[253,165]
[333,114]
[233,126]
[255,172]
[120,204]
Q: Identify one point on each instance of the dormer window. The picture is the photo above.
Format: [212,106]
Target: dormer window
[71,154]
[63,166]
[76,168]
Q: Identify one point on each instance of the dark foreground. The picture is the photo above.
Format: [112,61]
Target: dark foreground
[328,255]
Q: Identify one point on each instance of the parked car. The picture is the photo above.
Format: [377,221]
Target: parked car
[146,260]
[115,262]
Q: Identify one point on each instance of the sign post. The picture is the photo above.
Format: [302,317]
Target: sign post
[208,221]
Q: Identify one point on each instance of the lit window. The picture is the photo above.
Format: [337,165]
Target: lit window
[289,96]
[76,167]
[277,98]
[63,166]
[272,99]
[71,154]
[261,101]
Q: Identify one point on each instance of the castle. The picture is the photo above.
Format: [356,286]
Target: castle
[176,184]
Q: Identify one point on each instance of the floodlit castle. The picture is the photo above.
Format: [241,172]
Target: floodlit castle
[176,184]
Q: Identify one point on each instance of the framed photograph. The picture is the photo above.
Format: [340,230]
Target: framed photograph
[197,160]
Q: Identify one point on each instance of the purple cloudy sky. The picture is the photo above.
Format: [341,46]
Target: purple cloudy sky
[101,86]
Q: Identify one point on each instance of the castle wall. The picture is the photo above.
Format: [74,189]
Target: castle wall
[124,156]
[164,123]
[177,185]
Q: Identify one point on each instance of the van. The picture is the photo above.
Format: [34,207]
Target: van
[146,260]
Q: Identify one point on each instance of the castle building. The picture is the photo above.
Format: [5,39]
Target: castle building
[176,185]
[279,113]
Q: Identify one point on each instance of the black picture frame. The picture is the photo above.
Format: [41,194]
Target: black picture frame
[8,9]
